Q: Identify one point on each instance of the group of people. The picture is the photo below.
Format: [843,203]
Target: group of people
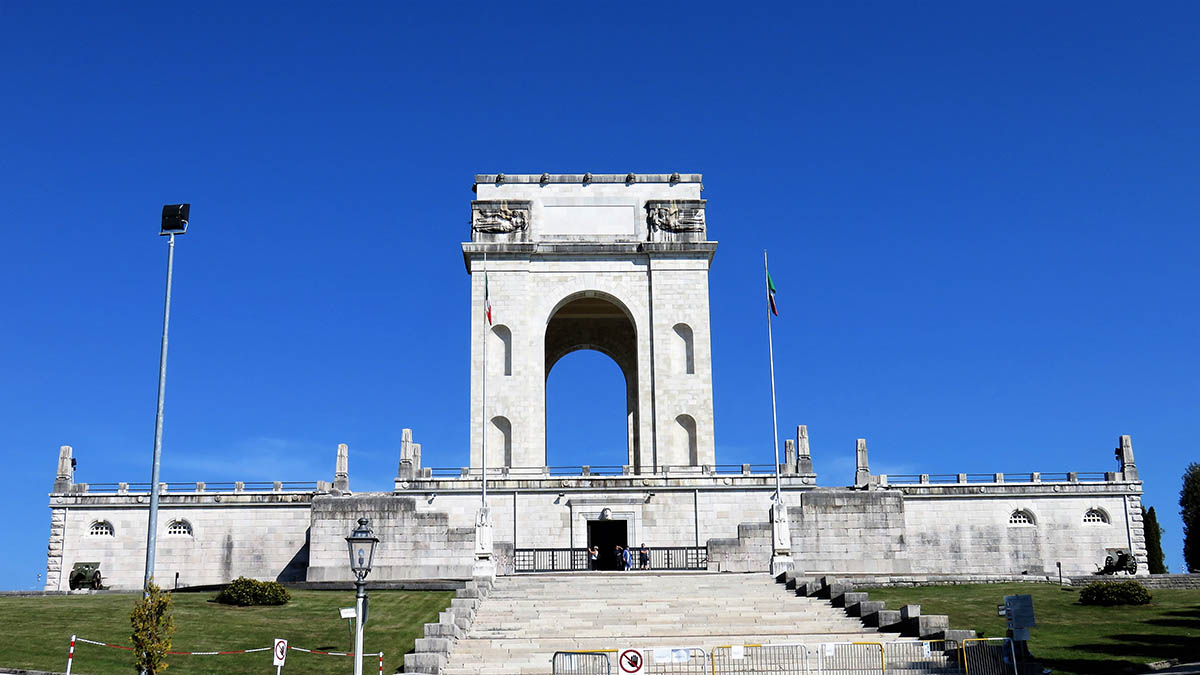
[623,557]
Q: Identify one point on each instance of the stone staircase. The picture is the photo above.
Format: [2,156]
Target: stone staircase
[525,619]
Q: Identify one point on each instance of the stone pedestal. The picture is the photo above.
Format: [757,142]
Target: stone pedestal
[781,539]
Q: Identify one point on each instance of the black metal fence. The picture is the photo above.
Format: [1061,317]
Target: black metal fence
[577,559]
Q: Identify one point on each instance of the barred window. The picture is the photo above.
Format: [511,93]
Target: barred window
[101,528]
[182,527]
[1095,516]
[1021,517]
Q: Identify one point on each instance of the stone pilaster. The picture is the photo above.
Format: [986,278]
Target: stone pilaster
[789,457]
[781,539]
[483,566]
[65,477]
[862,472]
[804,463]
[341,472]
[407,470]
[1124,454]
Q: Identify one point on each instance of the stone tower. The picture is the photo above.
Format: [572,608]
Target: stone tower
[610,262]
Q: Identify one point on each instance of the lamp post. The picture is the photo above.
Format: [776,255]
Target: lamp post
[174,221]
[361,543]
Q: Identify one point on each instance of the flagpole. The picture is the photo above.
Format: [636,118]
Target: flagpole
[771,352]
[483,385]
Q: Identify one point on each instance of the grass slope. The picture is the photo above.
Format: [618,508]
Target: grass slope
[1070,637]
[38,630]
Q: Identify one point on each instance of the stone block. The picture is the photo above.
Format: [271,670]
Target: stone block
[928,626]
[868,611]
[429,662]
[851,600]
[436,645]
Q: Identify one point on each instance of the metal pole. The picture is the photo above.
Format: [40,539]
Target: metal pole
[483,386]
[152,524]
[771,352]
[361,595]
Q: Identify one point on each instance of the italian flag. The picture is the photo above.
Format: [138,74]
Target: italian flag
[770,295]
[487,301]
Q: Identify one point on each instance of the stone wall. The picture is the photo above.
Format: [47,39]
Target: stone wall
[413,544]
[263,536]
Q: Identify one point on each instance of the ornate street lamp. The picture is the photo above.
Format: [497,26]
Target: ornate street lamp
[361,543]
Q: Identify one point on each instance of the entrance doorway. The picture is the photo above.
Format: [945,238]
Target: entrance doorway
[607,535]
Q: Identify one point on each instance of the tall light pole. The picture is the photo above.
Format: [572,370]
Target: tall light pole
[174,221]
[362,544]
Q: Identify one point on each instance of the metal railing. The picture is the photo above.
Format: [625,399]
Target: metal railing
[1024,477]
[204,486]
[578,559]
[982,656]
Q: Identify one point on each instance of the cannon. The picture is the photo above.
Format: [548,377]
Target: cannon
[1119,560]
[85,575]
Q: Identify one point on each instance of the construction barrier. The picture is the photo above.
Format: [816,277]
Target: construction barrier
[990,656]
[75,639]
[581,663]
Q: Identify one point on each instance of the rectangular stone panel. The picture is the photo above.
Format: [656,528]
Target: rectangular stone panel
[588,219]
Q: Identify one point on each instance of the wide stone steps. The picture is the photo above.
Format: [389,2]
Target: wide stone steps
[525,619]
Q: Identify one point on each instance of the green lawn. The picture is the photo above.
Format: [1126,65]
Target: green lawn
[38,630]
[1070,638]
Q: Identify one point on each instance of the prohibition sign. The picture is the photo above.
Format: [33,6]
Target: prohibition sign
[631,661]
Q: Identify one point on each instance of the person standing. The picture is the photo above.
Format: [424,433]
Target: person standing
[627,558]
[594,558]
[644,557]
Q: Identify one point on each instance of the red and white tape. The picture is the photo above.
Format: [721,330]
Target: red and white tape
[74,639]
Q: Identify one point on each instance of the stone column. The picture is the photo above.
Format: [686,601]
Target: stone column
[789,456]
[65,478]
[1125,458]
[406,471]
[341,471]
[862,472]
[804,463]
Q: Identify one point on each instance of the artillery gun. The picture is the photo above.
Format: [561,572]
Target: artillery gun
[1118,560]
[85,575]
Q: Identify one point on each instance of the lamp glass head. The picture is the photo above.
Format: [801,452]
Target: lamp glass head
[361,544]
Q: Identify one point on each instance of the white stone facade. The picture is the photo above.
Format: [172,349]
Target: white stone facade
[589,256]
[618,264]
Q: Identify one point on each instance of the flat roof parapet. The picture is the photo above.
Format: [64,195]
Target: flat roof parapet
[547,178]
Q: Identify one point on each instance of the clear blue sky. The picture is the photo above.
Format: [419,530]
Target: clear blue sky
[982,222]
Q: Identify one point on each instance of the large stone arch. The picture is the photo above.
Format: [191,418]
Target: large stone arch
[601,322]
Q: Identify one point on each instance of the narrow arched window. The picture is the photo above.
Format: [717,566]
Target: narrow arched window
[180,527]
[101,528]
[500,440]
[685,348]
[687,438]
[1095,516]
[500,349]
[1021,517]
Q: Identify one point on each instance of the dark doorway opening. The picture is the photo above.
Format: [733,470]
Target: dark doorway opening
[607,535]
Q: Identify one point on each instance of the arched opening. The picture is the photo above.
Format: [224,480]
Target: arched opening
[595,322]
[683,348]
[500,349]
[686,437]
[499,442]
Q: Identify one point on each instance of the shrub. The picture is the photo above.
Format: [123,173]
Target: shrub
[244,592]
[153,627]
[1114,593]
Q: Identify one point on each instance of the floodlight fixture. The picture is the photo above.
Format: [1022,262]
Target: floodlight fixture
[174,219]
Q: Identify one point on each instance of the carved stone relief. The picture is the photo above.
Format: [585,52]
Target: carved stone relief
[675,217]
[500,218]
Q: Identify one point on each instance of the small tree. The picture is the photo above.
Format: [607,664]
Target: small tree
[1189,510]
[153,627]
[1154,552]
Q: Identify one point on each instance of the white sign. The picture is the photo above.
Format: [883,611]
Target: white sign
[631,661]
[737,652]
[280,651]
[670,655]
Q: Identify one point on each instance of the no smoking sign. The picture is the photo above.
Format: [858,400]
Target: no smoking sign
[631,661]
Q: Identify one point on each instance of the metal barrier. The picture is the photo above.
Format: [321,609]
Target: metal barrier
[577,559]
[785,659]
[849,658]
[989,656]
[921,656]
[581,663]
[982,656]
